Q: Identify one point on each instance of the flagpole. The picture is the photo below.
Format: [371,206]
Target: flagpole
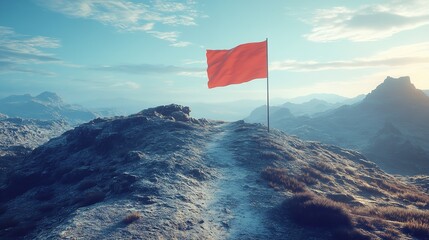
[268,94]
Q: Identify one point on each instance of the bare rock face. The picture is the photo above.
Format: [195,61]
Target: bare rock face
[161,174]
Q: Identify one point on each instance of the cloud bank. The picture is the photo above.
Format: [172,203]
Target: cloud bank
[144,69]
[17,51]
[132,16]
[369,22]
[407,55]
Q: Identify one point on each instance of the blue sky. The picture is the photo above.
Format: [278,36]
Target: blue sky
[154,51]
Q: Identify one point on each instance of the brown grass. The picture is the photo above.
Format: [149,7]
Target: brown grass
[415,197]
[417,229]
[307,179]
[365,187]
[132,217]
[278,177]
[324,167]
[346,222]
[403,214]
[388,185]
[315,174]
[311,210]
[415,222]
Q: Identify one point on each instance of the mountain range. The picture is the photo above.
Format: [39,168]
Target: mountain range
[45,106]
[161,174]
[390,126]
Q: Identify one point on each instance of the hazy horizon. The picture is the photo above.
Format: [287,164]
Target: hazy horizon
[155,51]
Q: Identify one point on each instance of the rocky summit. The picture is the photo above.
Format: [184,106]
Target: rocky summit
[161,174]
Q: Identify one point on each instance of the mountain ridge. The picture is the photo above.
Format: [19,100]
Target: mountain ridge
[353,126]
[192,178]
[45,106]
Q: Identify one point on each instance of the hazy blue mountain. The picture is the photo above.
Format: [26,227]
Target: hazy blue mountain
[45,106]
[390,143]
[395,101]
[426,92]
[354,100]
[161,174]
[327,97]
[115,106]
[311,107]
[289,110]
[227,111]
[259,115]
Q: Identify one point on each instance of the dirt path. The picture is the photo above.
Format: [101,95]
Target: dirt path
[232,207]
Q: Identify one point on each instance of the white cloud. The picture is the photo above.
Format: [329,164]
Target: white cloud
[180,44]
[127,84]
[369,22]
[190,61]
[407,55]
[167,36]
[141,69]
[196,74]
[18,50]
[128,15]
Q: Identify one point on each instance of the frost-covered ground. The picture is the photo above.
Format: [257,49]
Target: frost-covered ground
[185,179]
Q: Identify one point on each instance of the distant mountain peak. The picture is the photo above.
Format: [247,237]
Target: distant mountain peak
[396,83]
[49,97]
[404,79]
[397,91]
[45,106]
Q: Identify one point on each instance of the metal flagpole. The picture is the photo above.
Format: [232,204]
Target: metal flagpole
[268,94]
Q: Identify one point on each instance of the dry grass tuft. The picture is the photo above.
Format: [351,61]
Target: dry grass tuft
[132,217]
[278,177]
[417,229]
[324,167]
[316,174]
[365,187]
[388,185]
[415,197]
[309,209]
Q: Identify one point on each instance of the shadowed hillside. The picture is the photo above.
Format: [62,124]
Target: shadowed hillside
[161,174]
[390,126]
[18,137]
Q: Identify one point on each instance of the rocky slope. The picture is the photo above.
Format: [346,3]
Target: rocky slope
[15,132]
[45,106]
[161,174]
[395,103]
[19,136]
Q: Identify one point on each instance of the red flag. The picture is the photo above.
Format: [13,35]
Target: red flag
[238,65]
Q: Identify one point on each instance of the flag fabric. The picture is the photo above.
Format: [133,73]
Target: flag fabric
[241,64]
